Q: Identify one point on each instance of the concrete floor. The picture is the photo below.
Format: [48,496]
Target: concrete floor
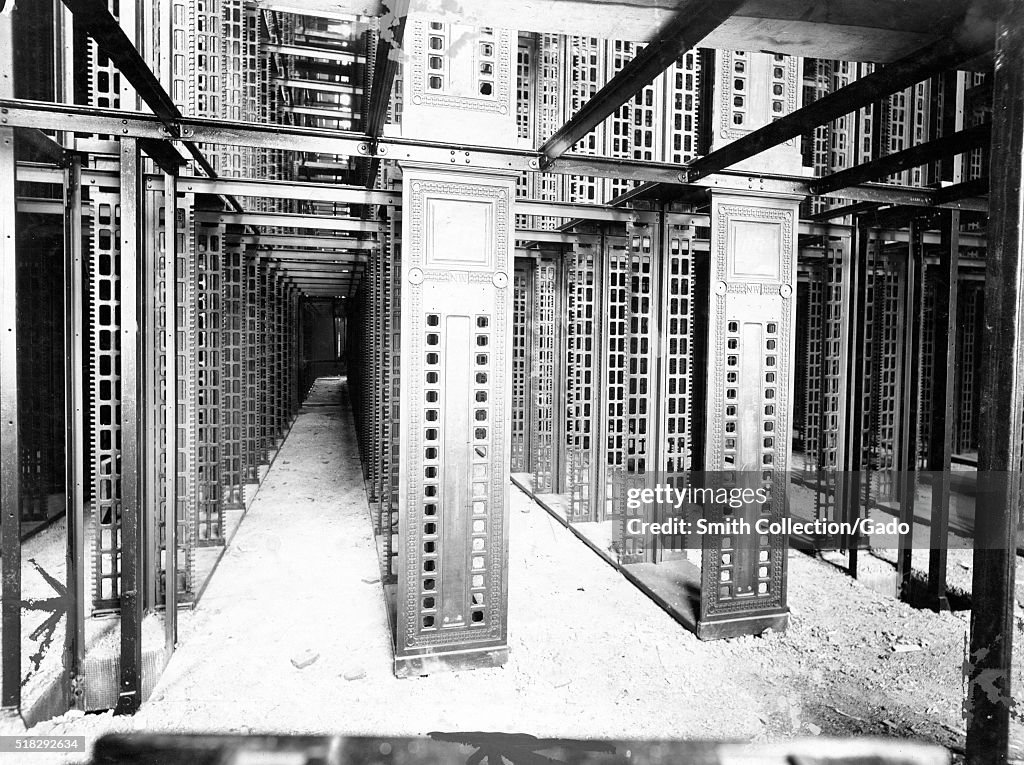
[300,579]
[591,656]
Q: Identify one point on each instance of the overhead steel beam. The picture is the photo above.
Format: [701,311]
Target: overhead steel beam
[286,220]
[343,113]
[389,46]
[309,51]
[948,145]
[838,212]
[45,146]
[691,24]
[322,86]
[939,56]
[949,195]
[321,192]
[293,241]
[322,278]
[331,269]
[95,18]
[662,175]
[304,256]
[385,69]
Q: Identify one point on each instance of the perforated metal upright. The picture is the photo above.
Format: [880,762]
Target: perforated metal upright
[188,393]
[371,450]
[105,397]
[251,398]
[822,374]
[456,323]
[522,293]
[153,375]
[264,321]
[545,368]
[386,354]
[233,367]
[635,462]
[583,376]
[675,391]
[277,375]
[209,506]
[750,353]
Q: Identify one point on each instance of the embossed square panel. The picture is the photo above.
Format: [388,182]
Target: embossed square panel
[755,250]
[461,232]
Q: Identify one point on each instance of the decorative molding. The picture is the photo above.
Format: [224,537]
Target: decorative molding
[414,637]
[498,103]
[727,130]
[763,290]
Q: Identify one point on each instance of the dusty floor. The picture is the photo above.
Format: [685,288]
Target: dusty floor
[590,655]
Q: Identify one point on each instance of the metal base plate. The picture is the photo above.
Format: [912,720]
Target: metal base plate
[455,661]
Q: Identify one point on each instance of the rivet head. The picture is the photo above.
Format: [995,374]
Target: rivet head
[786,291]
[415,276]
[500,280]
[721,288]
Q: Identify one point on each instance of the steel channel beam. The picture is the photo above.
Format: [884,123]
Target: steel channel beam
[302,256]
[385,69]
[303,51]
[74,433]
[967,239]
[95,18]
[959,195]
[42,143]
[691,24]
[989,700]
[284,220]
[133,492]
[321,86]
[940,447]
[22,113]
[948,145]
[946,53]
[321,192]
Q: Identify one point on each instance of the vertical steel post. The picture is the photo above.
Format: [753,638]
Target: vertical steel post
[913,290]
[133,493]
[74,433]
[10,467]
[559,458]
[599,435]
[940,447]
[854,461]
[992,624]
[171,413]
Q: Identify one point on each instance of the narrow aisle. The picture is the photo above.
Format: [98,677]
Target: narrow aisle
[590,655]
[294,605]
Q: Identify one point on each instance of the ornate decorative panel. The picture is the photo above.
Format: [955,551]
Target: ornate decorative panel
[456,319]
[749,384]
